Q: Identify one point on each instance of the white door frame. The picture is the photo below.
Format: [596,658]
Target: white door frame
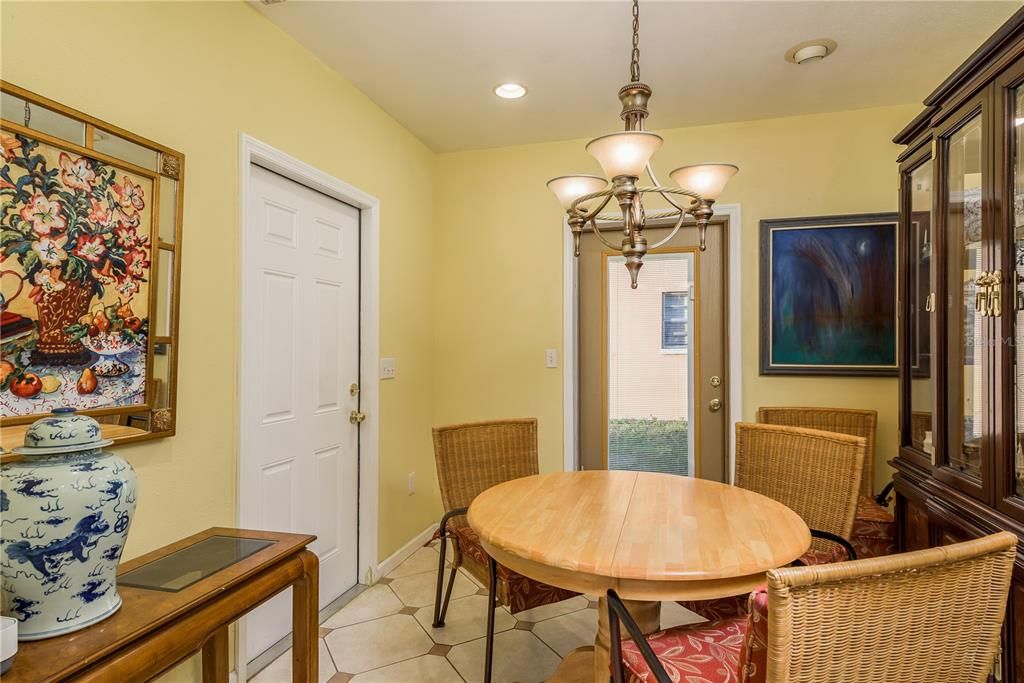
[570,339]
[253,151]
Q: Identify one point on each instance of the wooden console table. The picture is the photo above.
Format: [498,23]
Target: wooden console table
[157,628]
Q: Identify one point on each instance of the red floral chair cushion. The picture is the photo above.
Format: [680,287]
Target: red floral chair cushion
[699,653]
[874,529]
[731,650]
[523,592]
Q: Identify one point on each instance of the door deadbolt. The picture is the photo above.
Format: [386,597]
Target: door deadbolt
[714,405]
[715,381]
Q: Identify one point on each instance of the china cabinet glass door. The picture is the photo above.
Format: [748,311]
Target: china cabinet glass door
[969,304]
[919,437]
[1016,202]
[1009,371]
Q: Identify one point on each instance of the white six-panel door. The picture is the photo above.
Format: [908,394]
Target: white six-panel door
[300,319]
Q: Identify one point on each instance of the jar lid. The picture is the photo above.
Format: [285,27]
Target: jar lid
[62,432]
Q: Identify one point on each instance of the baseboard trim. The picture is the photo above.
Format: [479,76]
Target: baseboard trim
[403,553]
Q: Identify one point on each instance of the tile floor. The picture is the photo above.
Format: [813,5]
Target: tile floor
[384,635]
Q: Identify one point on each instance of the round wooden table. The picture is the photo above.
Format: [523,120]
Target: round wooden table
[652,537]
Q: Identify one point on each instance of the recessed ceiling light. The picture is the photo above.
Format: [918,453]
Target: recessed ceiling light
[810,51]
[510,91]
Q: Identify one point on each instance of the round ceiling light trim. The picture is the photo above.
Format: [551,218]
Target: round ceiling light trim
[810,51]
[510,91]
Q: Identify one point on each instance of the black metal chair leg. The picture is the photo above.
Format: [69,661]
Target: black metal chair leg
[492,593]
[619,616]
[615,638]
[441,606]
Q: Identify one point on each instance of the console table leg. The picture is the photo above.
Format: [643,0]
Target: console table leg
[305,624]
[215,657]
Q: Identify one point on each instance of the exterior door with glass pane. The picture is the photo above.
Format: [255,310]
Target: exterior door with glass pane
[652,359]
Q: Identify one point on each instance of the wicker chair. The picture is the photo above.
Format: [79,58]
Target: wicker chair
[874,527]
[930,615]
[816,474]
[470,459]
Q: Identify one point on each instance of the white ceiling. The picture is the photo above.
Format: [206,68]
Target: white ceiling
[433,65]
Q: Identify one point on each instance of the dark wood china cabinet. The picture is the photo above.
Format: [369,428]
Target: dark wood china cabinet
[960,467]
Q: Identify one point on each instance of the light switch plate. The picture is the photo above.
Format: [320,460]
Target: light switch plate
[551,358]
[387,368]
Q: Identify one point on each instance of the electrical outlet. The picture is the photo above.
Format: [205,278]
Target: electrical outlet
[412,483]
[551,358]
[387,368]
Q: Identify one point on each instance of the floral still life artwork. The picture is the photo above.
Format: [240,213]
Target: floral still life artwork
[75,251]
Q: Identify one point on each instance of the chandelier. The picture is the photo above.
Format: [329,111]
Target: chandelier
[624,156]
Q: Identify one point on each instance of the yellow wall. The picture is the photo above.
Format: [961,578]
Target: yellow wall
[498,274]
[471,242]
[193,76]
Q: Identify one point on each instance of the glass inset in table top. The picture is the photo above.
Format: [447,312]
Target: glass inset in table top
[185,567]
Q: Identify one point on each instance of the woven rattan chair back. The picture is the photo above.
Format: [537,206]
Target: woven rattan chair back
[931,615]
[474,457]
[840,420]
[816,474]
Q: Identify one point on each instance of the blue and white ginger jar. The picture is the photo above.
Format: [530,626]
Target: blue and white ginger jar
[65,509]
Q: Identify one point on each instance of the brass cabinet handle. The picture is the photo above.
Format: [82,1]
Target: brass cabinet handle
[996,294]
[929,303]
[988,300]
[981,293]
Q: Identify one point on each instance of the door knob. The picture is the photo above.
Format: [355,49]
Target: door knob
[714,405]
[355,417]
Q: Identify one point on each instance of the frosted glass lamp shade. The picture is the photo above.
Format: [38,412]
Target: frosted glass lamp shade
[625,153]
[569,187]
[708,180]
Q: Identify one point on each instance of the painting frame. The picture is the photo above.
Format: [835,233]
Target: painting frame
[884,226]
[81,136]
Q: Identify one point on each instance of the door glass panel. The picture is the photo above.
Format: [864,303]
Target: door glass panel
[921,303]
[966,319]
[650,358]
[1018,285]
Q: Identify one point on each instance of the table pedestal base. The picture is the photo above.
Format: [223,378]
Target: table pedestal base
[587,664]
[578,667]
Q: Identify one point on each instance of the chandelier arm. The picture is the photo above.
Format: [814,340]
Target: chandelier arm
[675,229]
[659,189]
[664,195]
[576,210]
[651,215]
[596,214]
[593,225]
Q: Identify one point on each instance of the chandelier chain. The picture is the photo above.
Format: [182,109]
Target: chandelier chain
[634,66]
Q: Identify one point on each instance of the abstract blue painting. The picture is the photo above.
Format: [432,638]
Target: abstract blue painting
[828,295]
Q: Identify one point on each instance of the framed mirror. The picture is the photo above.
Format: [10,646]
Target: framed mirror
[90,234]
